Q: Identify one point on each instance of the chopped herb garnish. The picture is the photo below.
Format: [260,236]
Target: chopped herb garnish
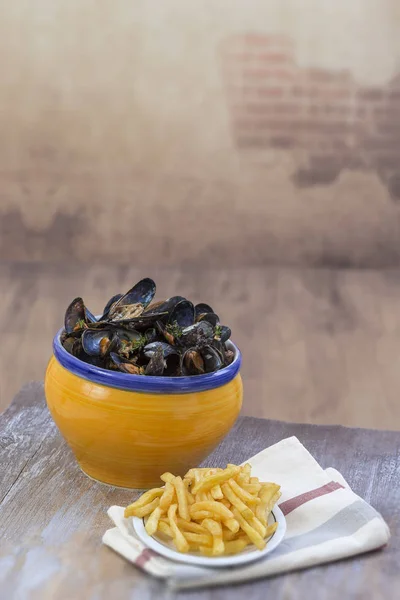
[174,329]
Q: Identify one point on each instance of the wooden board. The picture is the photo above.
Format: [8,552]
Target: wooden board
[319,345]
[52,517]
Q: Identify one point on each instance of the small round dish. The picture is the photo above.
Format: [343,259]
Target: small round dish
[162,545]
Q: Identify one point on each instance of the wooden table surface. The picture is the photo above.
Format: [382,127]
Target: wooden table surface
[52,517]
[319,345]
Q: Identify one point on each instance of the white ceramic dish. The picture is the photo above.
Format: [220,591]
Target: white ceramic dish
[162,545]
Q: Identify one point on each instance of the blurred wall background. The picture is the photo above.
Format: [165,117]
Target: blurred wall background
[195,136]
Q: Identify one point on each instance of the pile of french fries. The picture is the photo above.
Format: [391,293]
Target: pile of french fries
[211,511]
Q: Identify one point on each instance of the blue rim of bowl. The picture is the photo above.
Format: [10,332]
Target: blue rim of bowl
[147,384]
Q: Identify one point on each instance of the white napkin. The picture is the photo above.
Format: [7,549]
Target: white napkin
[325,519]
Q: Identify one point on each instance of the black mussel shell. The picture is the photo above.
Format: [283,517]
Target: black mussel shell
[182,314]
[229,356]
[109,304]
[192,362]
[163,307]
[74,315]
[124,365]
[90,318]
[223,333]
[73,345]
[97,342]
[166,333]
[156,364]
[150,335]
[151,348]
[201,309]
[197,334]
[211,318]
[212,359]
[172,365]
[141,293]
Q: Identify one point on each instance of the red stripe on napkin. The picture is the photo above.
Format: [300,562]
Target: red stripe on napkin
[289,505]
[144,557]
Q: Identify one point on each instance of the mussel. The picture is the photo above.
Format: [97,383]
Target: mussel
[141,336]
[133,303]
[97,342]
[212,359]
[192,362]
[124,365]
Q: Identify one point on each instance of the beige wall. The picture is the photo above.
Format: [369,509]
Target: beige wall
[119,132]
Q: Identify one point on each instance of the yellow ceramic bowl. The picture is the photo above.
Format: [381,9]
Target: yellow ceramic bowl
[126,430]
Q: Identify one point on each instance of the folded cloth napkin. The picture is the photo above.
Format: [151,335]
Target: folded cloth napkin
[325,519]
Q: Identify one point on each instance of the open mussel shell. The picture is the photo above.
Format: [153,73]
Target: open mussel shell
[201,309]
[97,342]
[163,307]
[125,365]
[212,359]
[192,362]
[182,314]
[73,345]
[74,315]
[90,318]
[128,305]
[211,318]
[156,364]
[109,304]
[229,356]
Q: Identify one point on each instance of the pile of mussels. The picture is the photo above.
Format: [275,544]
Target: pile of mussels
[139,336]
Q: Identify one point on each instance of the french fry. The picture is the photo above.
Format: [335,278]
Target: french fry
[225,502]
[210,481]
[232,525]
[273,501]
[267,493]
[199,515]
[167,477]
[187,483]
[228,535]
[257,525]
[212,510]
[235,546]
[253,535]
[201,497]
[191,473]
[214,527]
[242,493]
[201,539]
[152,522]
[252,488]
[190,526]
[168,496]
[216,492]
[270,530]
[236,501]
[145,510]
[164,528]
[144,499]
[215,507]
[183,508]
[179,539]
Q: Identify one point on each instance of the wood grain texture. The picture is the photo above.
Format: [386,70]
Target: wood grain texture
[319,345]
[52,517]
